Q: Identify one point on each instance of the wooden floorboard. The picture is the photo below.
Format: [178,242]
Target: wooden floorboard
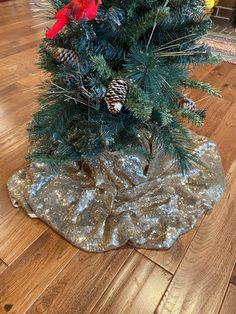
[17,234]
[202,278]
[233,276]
[229,304]
[81,283]
[26,278]
[224,136]
[170,259]
[42,273]
[3,266]
[136,289]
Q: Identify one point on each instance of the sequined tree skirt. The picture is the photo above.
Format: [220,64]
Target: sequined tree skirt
[121,198]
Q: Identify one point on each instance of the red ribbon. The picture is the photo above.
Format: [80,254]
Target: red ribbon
[78,10]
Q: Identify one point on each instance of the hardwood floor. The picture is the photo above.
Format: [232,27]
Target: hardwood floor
[42,273]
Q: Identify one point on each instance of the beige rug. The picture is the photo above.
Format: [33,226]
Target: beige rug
[224,45]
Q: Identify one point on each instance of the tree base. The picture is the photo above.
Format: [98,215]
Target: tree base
[121,198]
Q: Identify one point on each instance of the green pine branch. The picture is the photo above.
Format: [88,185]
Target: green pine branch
[174,140]
[195,117]
[138,103]
[146,22]
[205,87]
[101,67]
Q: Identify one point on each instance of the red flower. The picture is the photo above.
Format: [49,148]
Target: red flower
[78,10]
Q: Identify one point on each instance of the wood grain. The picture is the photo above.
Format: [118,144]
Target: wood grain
[3,266]
[16,48]
[201,280]
[25,279]
[79,286]
[216,110]
[219,76]
[136,289]
[224,137]
[229,304]
[17,233]
[200,71]
[18,66]
[171,258]
[229,85]
[233,276]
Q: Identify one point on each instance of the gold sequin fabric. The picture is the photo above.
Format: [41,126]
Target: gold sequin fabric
[121,198]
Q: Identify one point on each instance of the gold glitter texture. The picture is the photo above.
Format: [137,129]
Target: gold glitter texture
[121,198]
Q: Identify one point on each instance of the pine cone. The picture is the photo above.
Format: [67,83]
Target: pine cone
[116,94]
[62,55]
[66,56]
[186,103]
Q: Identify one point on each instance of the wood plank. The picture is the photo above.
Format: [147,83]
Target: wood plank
[215,75]
[21,64]
[23,281]
[79,286]
[13,44]
[136,289]
[216,110]
[233,276]
[20,25]
[229,304]
[170,259]
[200,71]
[14,30]
[9,19]
[23,112]
[221,77]
[5,203]
[17,233]
[14,143]
[3,266]
[202,278]
[17,110]
[33,81]
[229,85]
[224,137]
[23,61]
[14,161]
[18,48]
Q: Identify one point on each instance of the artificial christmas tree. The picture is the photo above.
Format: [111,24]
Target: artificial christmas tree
[111,160]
